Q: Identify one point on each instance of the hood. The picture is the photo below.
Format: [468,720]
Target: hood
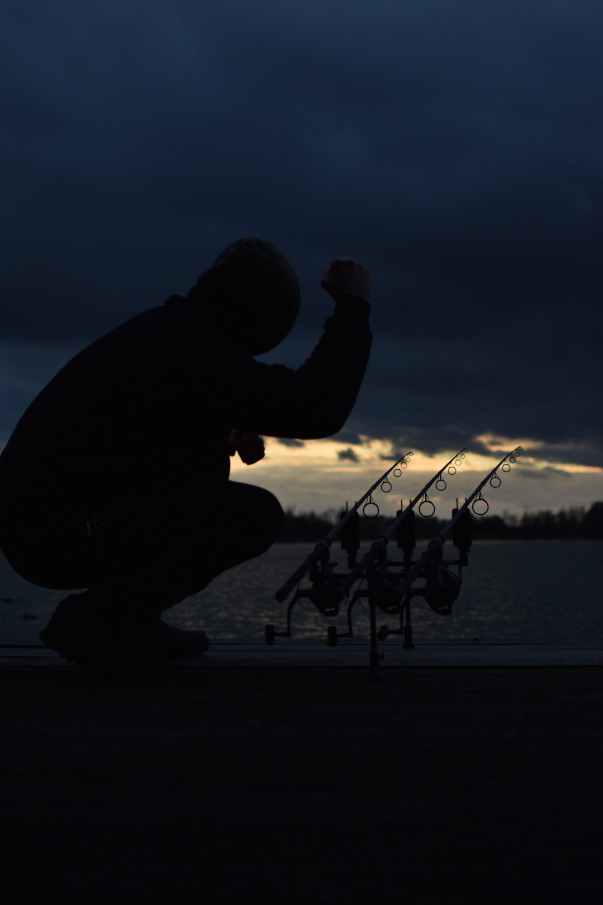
[253,292]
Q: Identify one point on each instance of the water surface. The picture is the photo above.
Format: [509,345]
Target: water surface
[524,590]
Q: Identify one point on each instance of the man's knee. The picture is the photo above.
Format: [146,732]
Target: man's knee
[273,514]
[257,517]
[268,517]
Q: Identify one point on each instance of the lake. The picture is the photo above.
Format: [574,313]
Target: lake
[512,591]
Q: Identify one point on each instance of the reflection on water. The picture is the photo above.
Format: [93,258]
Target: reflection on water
[530,591]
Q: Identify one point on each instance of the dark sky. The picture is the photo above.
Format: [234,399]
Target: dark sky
[455,149]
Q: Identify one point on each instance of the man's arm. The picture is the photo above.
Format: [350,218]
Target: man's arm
[315,399]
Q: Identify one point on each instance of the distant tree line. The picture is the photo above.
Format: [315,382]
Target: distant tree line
[570,524]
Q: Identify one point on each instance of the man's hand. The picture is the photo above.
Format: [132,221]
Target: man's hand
[250,447]
[347,277]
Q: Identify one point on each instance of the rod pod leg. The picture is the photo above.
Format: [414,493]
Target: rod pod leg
[374,652]
[408,642]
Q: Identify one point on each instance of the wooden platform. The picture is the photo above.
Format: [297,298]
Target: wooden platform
[284,775]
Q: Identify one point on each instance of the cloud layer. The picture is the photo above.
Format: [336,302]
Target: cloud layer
[455,149]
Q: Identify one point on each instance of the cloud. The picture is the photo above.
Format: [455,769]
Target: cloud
[455,150]
[289,441]
[543,474]
[348,455]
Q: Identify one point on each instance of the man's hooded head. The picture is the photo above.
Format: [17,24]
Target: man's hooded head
[254,293]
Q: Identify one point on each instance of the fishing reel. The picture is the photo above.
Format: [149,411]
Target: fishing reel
[441,591]
[326,594]
[388,595]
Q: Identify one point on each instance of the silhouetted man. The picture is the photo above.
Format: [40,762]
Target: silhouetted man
[116,478]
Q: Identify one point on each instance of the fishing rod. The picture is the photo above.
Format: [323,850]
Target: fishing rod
[442,587]
[434,549]
[326,591]
[393,593]
[379,545]
[370,510]
[389,583]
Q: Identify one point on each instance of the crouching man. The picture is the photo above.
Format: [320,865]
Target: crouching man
[115,482]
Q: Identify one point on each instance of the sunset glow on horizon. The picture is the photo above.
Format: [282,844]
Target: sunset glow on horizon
[320,475]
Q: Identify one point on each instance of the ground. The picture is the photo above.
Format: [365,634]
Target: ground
[304,784]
